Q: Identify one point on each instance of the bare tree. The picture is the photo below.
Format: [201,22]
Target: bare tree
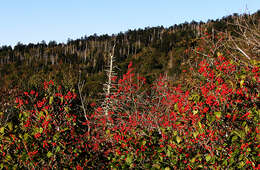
[108,85]
[248,40]
[82,98]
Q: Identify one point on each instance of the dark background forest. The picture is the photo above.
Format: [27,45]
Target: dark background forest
[153,50]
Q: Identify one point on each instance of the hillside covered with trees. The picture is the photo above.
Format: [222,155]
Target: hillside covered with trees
[153,50]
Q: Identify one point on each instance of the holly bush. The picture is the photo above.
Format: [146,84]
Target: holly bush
[210,120]
[47,132]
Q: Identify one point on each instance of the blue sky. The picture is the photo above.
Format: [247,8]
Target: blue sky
[32,21]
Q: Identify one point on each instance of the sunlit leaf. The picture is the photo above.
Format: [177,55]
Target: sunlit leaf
[57,149]
[219,54]
[208,157]
[195,134]
[56,136]
[246,129]
[49,154]
[168,153]
[25,136]
[128,160]
[193,160]
[218,114]
[241,83]
[51,100]
[2,129]
[234,138]
[195,111]
[241,164]
[157,166]
[200,125]
[178,139]
[10,125]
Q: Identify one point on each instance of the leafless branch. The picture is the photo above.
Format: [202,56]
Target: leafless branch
[108,86]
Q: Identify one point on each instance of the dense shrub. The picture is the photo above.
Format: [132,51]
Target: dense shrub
[213,124]
[211,120]
[48,132]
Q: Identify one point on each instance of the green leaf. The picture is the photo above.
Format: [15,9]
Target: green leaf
[56,136]
[38,130]
[25,136]
[241,83]
[242,77]
[219,54]
[107,131]
[176,107]
[246,129]
[200,125]
[26,114]
[225,162]
[234,138]
[167,168]
[67,109]
[20,115]
[157,166]
[193,160]
[178,139]
[208,157]
[241,164]
[241,157]
[46,111]
[239,133]
[161,158]
[168,153]
[57,149]
[195,134]
[20,136]
[128,160]
[41,114]
[218,114]
[254,62]
[51,100]
[231,161]
[10,125]
[211,118]
[2,129]
[41,130]
[49,154]
[49,126]
[195,111]
[8,157]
